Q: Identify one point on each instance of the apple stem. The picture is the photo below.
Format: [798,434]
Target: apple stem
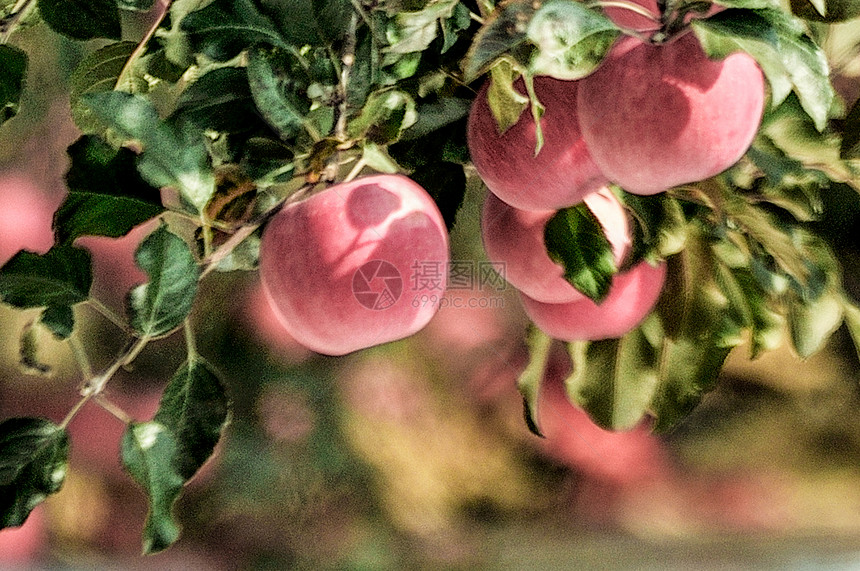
[224,250]
[356,170]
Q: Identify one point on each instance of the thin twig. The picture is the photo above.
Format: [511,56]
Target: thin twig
[112,408]
[96,385]
[163,7]
[9,24]
[244,231]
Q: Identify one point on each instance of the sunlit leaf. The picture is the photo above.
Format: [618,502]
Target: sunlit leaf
[148,451]
[160,305]
[173,155]
[34,456]
[571,39]
[195,408]
[575,239]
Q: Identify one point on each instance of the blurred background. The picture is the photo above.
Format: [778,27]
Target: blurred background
[415,454]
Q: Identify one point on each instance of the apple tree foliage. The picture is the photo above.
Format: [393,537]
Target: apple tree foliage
[224,109]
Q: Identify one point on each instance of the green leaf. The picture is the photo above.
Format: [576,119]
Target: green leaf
[160,305]
[615,380]
[384,116]
[504,33]
[310,22]
[529,381]
[82,19]
[107,196]
[98,72]
[61,277]
[195,408]
[276,94]
[59,320]
[659,226]
[750,306]
[34,456]
[435,115]
[226,27]
[415,31]
[790,131]
[506,102]
[829,11]
[700,330]
[811,322]
[148,452]
[575,239]
[571,39]
[446,183]
[221,101]
[690,368]
[173,155]
[778,42]
[13,62]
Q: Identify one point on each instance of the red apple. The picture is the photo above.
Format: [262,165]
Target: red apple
[560,175]
[343,268]
[515,238]
[26,211]
[631,298]
[20,547]
[658,116]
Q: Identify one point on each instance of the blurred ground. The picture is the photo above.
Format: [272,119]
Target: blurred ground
[415,454]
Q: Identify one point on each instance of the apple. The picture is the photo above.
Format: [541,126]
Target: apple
[560,175]
[658,116]
[344,268]
[25,216]
[631,298]
[21,547]
[515,238]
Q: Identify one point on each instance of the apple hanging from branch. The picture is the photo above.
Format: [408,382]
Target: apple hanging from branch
[658,116]
[337,267]
[561,174]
